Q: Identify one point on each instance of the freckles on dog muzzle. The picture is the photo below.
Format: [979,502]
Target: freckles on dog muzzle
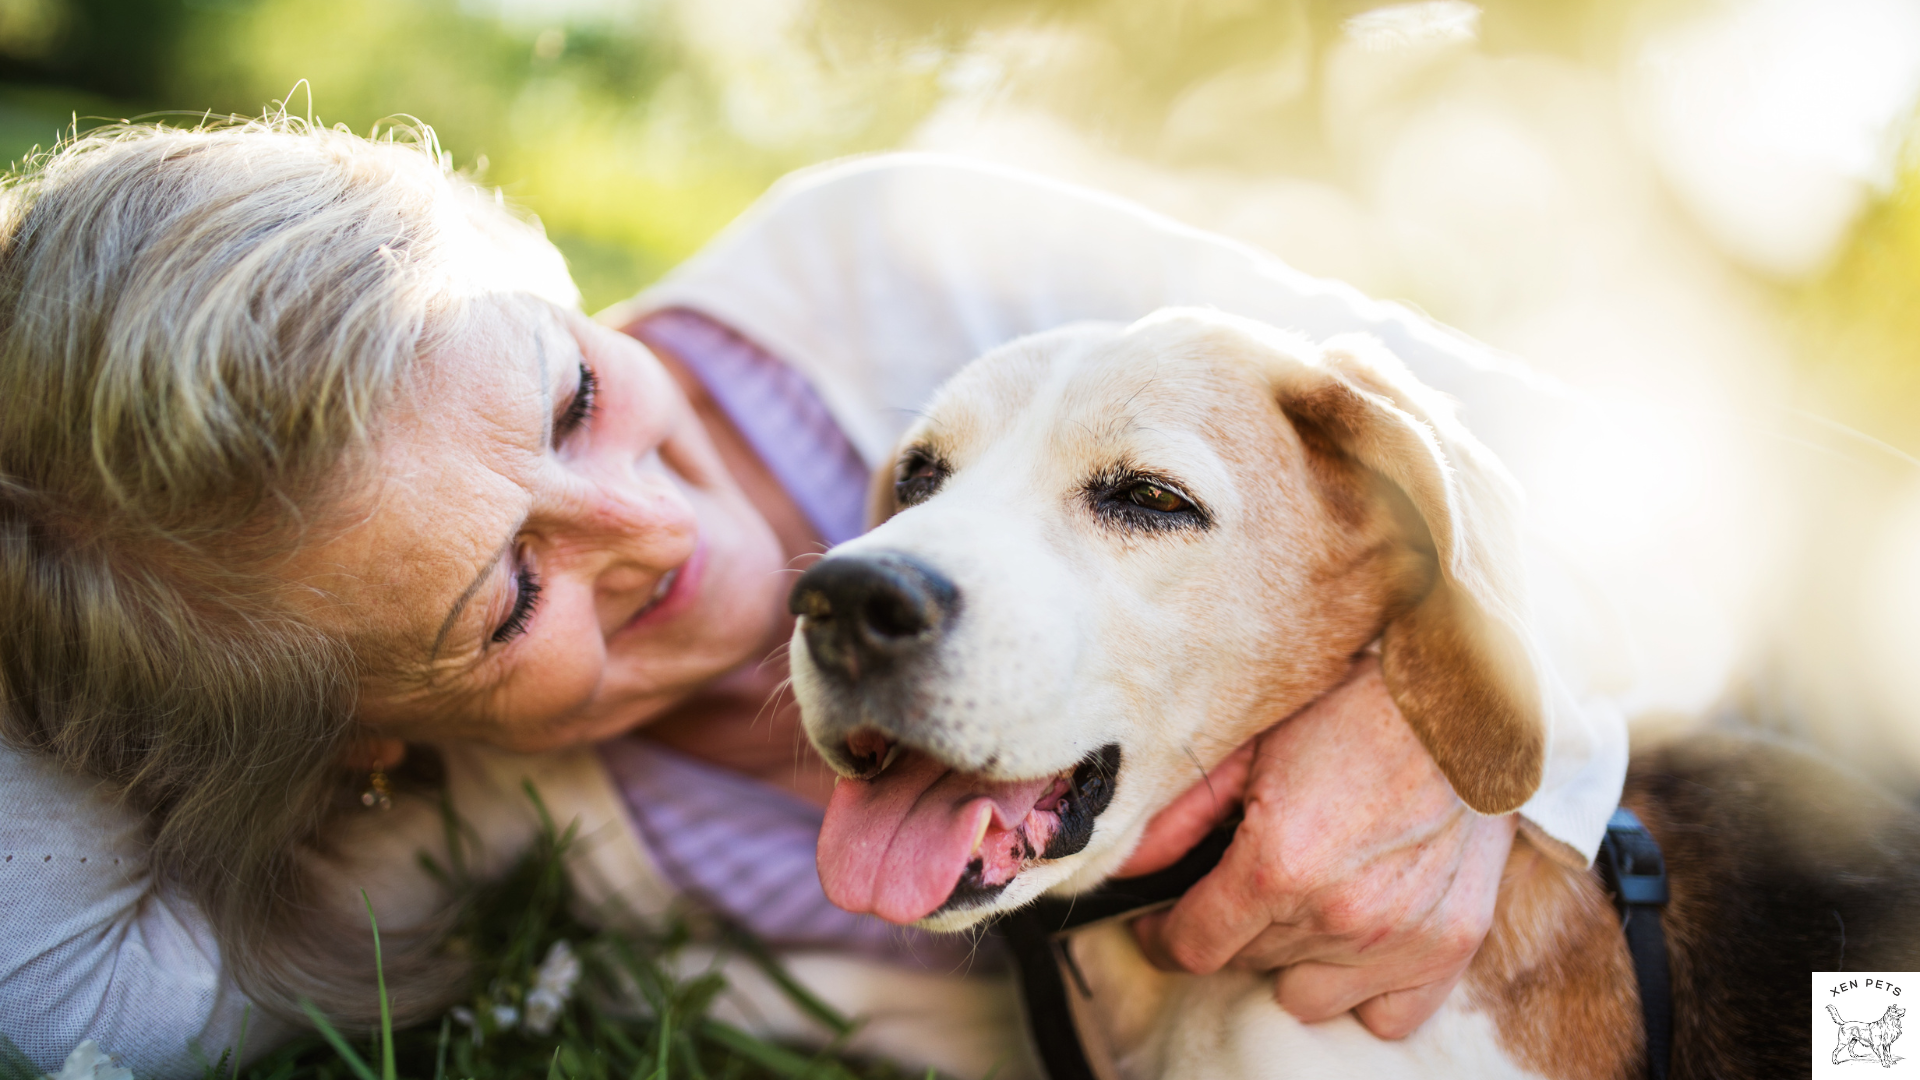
[866,613]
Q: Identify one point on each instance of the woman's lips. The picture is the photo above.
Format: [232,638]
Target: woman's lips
[674,593]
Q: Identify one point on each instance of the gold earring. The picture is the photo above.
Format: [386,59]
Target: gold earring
[377,796]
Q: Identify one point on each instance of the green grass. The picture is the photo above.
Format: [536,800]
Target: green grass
[630,1016]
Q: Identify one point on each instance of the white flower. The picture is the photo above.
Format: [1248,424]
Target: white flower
[505,1016]
[543,1008]
[89,1062]
[559,971]
[466,1017]
[552,986]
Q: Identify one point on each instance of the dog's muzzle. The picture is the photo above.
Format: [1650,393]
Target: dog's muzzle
[867,613]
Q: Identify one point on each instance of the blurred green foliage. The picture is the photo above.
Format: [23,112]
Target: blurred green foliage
[637,128]
[622,123]
[1859,324]
[630,149]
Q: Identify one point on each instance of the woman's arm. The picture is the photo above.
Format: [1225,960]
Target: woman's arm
[91,948]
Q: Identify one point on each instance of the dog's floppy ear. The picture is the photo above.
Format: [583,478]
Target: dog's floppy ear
[1459,661]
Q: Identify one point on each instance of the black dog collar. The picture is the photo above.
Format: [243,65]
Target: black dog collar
[1035,934]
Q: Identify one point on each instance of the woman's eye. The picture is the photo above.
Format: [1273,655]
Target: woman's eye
[1156,498]
[526,599]
[580,409]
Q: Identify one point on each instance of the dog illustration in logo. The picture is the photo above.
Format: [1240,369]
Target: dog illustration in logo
[1860,1040]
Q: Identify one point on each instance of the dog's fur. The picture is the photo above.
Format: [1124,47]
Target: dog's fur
[1336,503]
[1876,1038]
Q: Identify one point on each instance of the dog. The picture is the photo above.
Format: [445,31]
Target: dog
[1106,555]
[1876,1038]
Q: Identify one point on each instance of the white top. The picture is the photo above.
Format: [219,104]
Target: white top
[876,278]
[92,948]
[88,948]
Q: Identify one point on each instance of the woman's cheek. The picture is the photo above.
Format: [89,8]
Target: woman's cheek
[552,688]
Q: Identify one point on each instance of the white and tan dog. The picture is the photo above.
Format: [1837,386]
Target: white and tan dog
[1109,554]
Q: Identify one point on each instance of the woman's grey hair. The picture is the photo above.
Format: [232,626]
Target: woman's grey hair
[199,331]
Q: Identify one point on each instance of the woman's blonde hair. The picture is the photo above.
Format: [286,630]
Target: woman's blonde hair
[199,330]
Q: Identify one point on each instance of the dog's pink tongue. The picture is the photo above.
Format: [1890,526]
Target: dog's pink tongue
[896,845]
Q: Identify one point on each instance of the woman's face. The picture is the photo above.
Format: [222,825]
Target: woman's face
[550,551]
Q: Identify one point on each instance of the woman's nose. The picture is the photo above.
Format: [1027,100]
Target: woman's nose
[628,529]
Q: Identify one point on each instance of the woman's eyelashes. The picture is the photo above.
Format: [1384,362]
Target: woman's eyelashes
[580,409]
[526,598]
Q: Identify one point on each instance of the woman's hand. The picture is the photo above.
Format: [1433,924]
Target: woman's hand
[1356,872]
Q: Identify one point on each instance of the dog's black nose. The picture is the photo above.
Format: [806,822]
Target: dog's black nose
[864,612]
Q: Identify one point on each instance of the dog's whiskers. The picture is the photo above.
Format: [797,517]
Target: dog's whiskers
[1214,796]
[773,702]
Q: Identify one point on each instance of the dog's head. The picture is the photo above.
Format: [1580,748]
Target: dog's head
[1107,557]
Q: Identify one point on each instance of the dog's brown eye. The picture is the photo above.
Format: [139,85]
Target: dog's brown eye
[1156,498]
[1140,504]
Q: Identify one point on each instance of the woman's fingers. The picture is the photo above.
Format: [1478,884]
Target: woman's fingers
[1316,991]
[1187,820]
[1281,945]
[1355,873]
[1228,908]
[1272,947]
[1150,933]
[1398,1013]
[1394,984]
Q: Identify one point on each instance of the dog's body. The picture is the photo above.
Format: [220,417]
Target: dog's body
[1859,1039]
[1119,553]
[1779,864]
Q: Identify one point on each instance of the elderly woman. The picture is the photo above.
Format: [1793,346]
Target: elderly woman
[318,497]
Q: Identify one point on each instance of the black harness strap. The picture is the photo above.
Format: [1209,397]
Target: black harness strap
[1034,934]
[1628,856]
[1636,874]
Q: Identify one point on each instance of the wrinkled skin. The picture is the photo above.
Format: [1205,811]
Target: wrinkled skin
[659,577]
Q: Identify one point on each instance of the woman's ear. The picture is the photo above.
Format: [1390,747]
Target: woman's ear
[373,753]
[1458,660]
